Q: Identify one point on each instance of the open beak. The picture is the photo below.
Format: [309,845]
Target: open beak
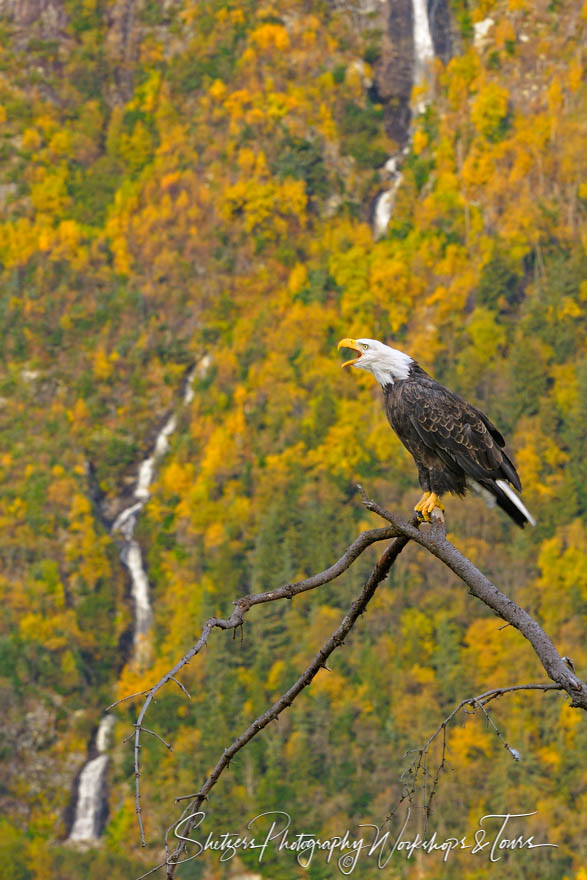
[352,344]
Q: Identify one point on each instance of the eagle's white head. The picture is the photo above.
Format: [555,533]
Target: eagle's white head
[387,364]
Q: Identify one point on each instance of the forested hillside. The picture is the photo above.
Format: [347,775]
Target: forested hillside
[190,184]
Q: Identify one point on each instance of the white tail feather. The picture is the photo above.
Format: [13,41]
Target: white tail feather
[515,500]
[478,489]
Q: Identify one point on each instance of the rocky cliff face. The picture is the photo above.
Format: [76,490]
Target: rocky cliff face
[394,71]
[48,20]
[440,28]
[393,19]
[122,45]
[41,17]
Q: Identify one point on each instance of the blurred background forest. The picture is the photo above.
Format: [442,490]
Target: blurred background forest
[192,183]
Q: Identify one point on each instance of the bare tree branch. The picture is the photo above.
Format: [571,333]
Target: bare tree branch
[181,687]
[419,766]
[379,572]
[152,732]
[243,605]
[513,752]
[435,541]
[126,699]
[432,539]
[151,871]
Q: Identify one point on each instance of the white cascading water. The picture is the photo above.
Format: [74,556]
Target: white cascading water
[126,521]
[90,806]
[423,45]
[89,812]
[131,556]
[423,56]
[384,207]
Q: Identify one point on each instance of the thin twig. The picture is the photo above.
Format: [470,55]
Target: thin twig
[182,687]
[152,871]
[156,735]
[125,699]
[513,752]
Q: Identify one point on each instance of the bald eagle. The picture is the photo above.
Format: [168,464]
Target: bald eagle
[455,446]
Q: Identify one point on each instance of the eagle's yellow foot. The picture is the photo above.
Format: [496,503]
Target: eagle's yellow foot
[427,505]
[422,501]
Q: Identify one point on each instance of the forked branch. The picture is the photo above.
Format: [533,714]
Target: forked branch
[432,539]
[337,638]
[435,541]
[416,777]
[236,619]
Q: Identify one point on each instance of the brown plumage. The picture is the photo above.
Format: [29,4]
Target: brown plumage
[455,446]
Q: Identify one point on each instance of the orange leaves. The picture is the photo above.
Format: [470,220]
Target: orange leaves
[257,256]
[18,241]
[575,75]
[176,478]
[31,139]
[419,142]
[266,206]
[218,90]
[224,447]
[554,97]
[466,742]
[60,490]
[541,462]
[297,278]
[504,33]
[64,242]
[490,651]
[60,145]
[461,73]
[236,102]
[55,631]
[104,363]
[392,288]
[563,565]
[271,38]
[344,450]
[276,676]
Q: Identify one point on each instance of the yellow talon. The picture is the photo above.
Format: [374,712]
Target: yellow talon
[422,501]
[429,504]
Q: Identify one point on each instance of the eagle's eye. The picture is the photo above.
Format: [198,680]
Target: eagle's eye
[364,345]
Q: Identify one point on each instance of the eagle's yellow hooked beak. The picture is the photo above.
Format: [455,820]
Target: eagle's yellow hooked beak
[352,344]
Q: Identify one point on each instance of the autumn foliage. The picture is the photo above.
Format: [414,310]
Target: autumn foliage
[205,200]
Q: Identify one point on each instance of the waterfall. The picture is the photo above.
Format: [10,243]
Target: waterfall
[383,207]
[147,468]
[130,554]
[423,45]
[90,811]
[91,807]
[125,524]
